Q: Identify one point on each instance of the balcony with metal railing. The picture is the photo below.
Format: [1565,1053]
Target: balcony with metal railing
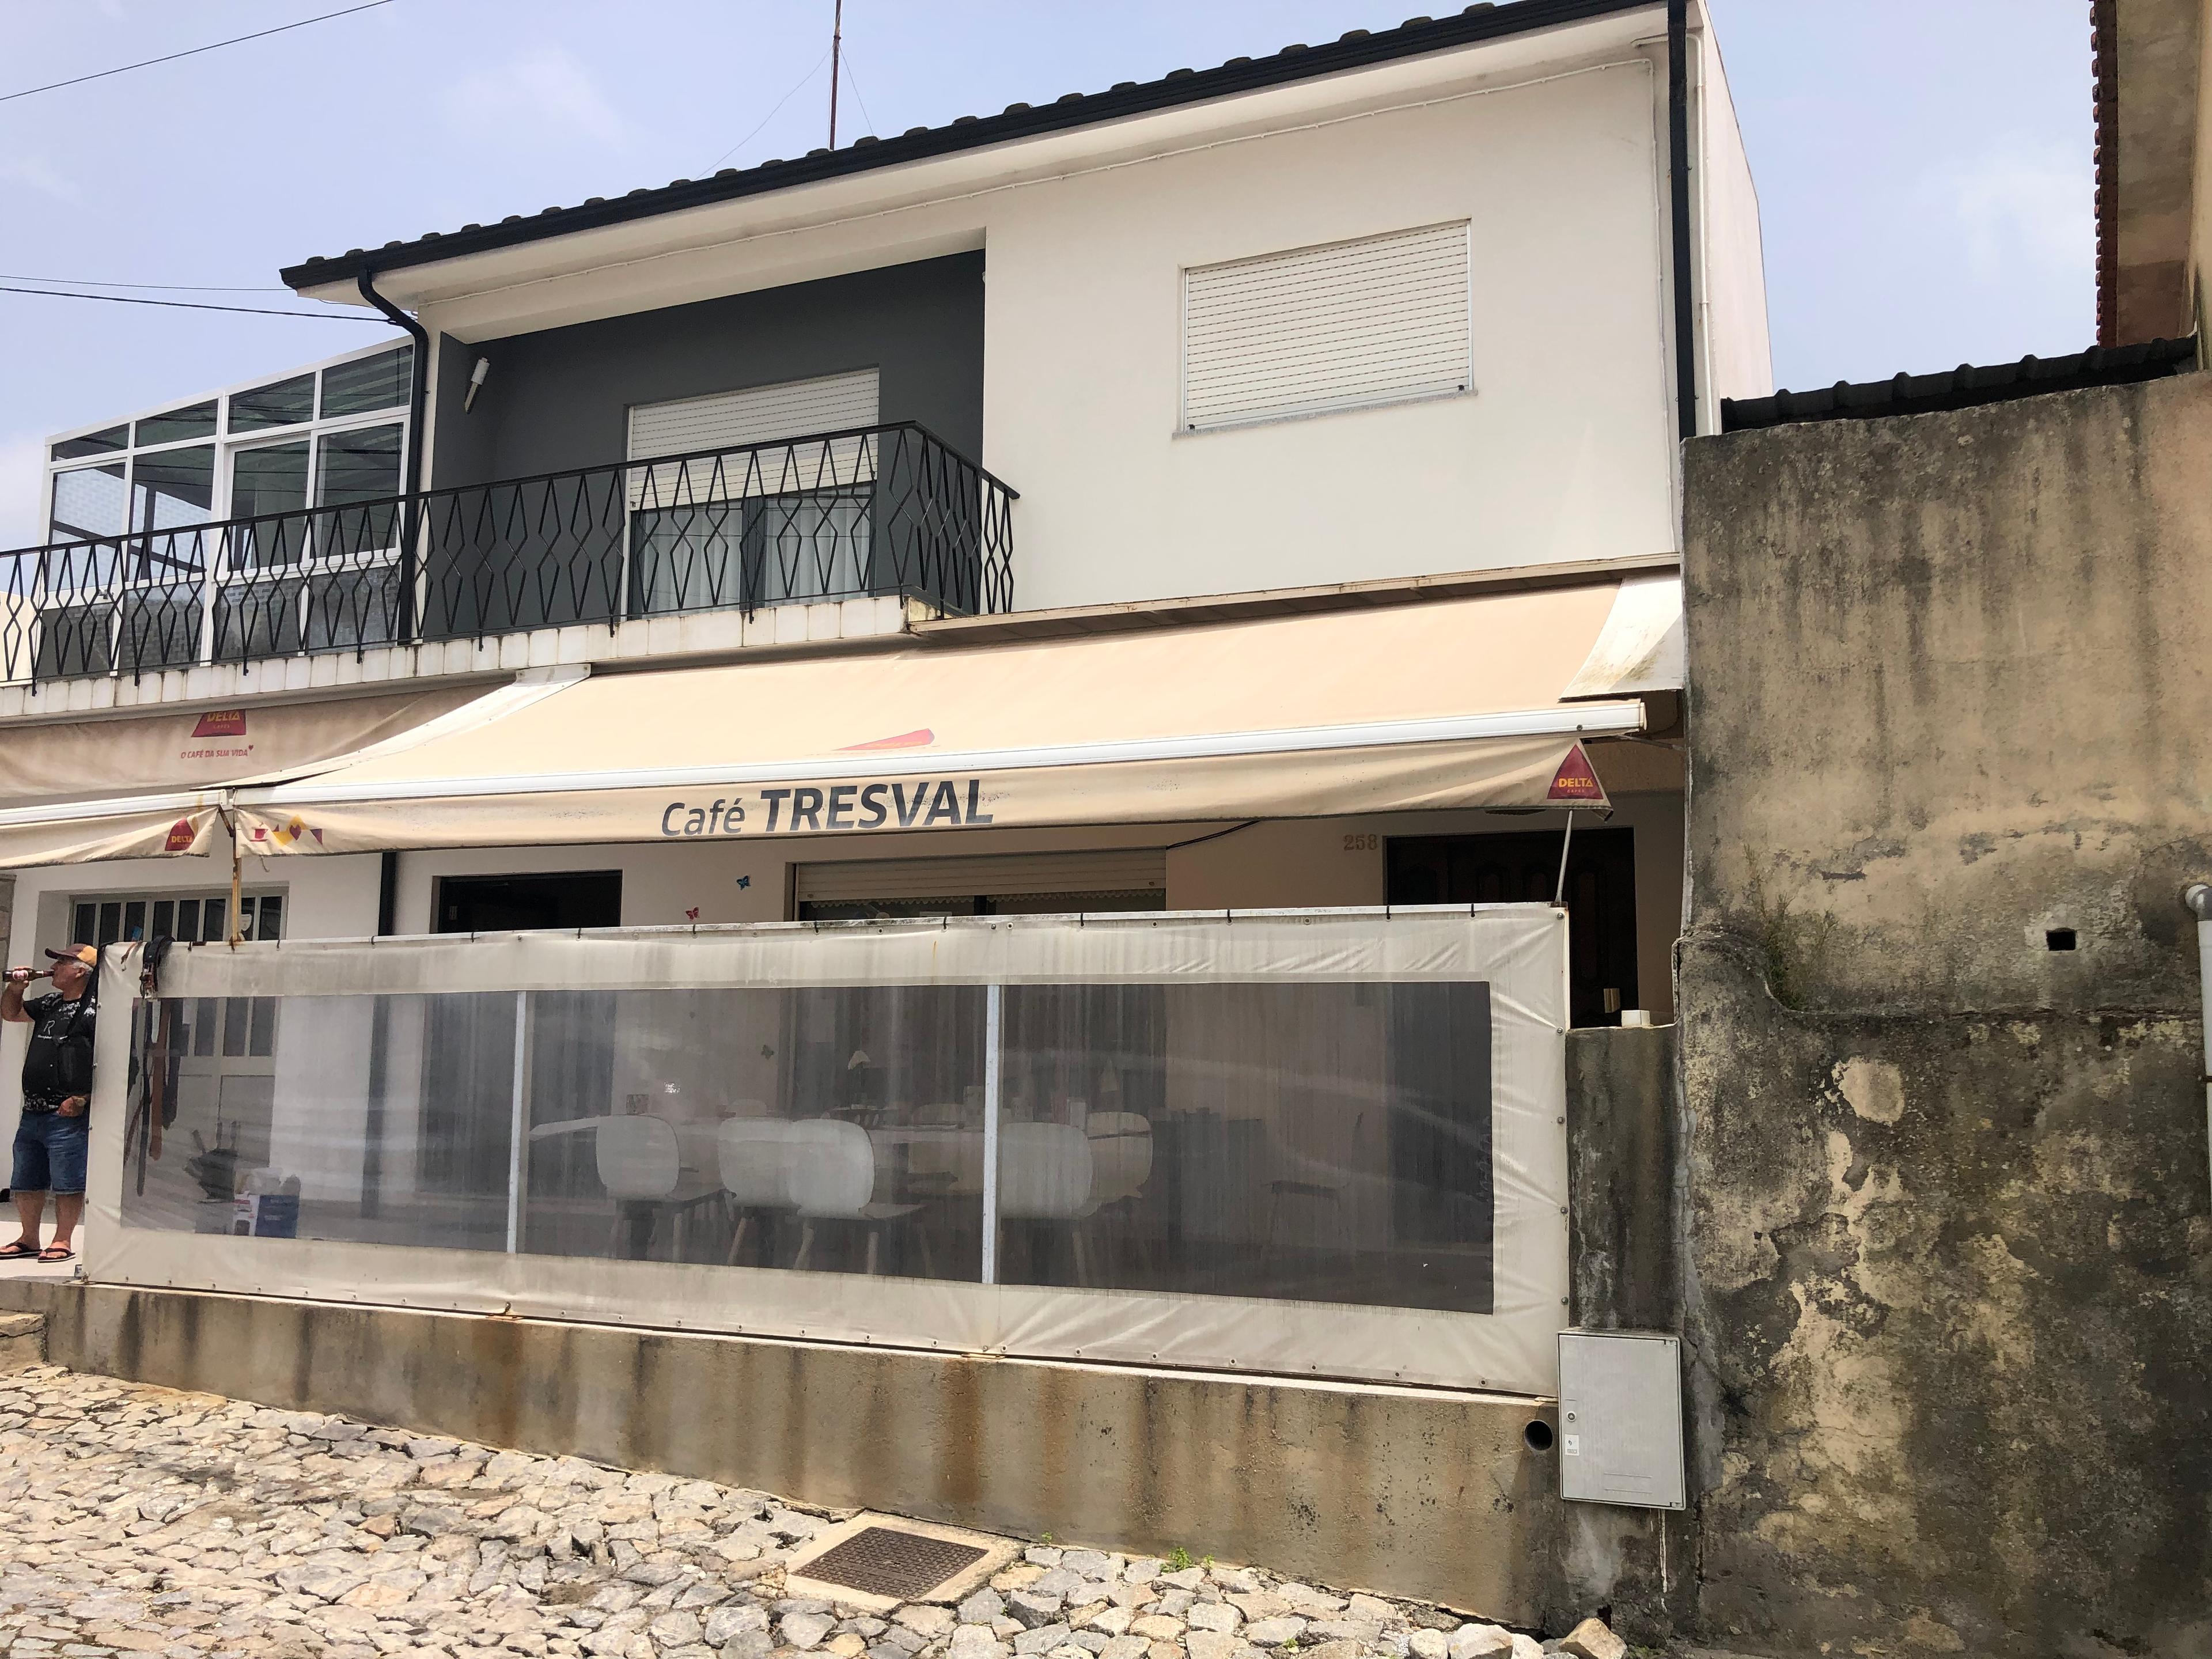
[869,512]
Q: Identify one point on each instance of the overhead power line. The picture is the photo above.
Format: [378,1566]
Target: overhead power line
[853,82]
[159,287]
[771,116]
[192,51]
[197,305]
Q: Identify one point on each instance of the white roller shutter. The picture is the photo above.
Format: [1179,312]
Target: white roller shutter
[1121,871]
[1349,326]
[757,414]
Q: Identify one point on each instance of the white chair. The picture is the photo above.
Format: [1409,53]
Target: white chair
[638,1164]
[1121,1156]
[754,1156]
[834,1178]
[638,1158]
[1046,1173]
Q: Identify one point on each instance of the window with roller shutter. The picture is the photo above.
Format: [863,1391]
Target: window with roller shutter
[779,512]
[764,415]
[757,414]
[1353,324]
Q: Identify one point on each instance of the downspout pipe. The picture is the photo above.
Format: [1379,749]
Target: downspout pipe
[1678,196]
[2197,896]
[419,402]
[387,884]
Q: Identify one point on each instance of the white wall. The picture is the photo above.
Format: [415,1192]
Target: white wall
[1564,453]
[1738,361]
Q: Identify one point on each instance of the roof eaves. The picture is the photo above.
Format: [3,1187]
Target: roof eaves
[1963,388]
[1358,49]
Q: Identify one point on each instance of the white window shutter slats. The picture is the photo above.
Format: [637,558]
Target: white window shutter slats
[1355,323]
[768,415]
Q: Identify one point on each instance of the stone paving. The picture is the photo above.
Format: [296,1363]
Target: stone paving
[139,1520]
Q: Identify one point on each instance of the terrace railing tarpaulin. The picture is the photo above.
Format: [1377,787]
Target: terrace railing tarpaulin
[146,786]
[1307,1143]
[1444,704]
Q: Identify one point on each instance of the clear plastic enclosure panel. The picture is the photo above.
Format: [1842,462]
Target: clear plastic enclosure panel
[1311,1141]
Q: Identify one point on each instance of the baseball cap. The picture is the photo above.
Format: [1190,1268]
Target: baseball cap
[83,953]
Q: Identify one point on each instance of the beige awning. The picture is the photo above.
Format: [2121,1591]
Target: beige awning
[1446,704]
[137,785]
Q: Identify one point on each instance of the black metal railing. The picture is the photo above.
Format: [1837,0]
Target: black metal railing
[874,510]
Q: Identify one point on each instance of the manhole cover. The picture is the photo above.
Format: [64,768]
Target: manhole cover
[881,1561]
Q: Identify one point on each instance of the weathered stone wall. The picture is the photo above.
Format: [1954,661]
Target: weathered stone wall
[1948,1262]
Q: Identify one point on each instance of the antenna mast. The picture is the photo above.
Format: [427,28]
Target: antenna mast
[837,56]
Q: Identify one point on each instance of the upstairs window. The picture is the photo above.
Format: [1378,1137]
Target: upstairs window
[1383,320]
[757,414]
[363,384]
[239,454]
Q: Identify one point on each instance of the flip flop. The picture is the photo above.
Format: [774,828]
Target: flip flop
[21,1247]
[56,1253]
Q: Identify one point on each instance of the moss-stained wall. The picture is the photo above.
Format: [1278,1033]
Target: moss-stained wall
[1948,1264]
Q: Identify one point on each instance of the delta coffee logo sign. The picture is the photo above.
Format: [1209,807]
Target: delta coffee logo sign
[219,734]
[1575,779]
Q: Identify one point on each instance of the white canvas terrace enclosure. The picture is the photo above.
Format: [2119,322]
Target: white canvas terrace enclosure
[1306,1143]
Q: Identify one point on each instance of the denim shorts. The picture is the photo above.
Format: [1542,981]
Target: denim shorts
[49,1152]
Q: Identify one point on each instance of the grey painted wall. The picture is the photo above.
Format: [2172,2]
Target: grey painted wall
[560,398]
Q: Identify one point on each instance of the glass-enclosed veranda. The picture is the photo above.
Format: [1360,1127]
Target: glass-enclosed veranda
[1308,1142]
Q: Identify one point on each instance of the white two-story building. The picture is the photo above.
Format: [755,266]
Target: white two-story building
[1251,489]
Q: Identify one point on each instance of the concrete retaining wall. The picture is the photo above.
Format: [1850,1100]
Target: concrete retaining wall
[1424,1493]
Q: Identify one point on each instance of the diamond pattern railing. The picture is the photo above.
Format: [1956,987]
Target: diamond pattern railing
[876,510]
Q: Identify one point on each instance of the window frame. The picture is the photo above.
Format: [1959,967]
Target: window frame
[1185,428]
[219,571]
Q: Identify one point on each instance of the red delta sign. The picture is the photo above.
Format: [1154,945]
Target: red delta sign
[181,837]
[208,741]
[1575,781]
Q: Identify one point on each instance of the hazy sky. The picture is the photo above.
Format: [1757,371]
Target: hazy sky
[1924,168]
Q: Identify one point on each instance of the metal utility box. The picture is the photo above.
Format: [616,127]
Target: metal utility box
[1620,1419]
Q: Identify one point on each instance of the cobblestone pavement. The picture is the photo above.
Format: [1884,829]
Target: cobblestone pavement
[143,1521]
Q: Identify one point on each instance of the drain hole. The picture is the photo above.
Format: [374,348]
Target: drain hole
[1537,1436]
[884,1561]
[2058,939]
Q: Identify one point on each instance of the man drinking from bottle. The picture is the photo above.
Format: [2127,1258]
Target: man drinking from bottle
[52,1139]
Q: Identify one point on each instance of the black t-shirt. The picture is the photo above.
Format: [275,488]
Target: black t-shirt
[58,1023]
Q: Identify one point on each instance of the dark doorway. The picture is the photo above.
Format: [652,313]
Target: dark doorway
[506,904]
[468,1051]
[1524,867]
